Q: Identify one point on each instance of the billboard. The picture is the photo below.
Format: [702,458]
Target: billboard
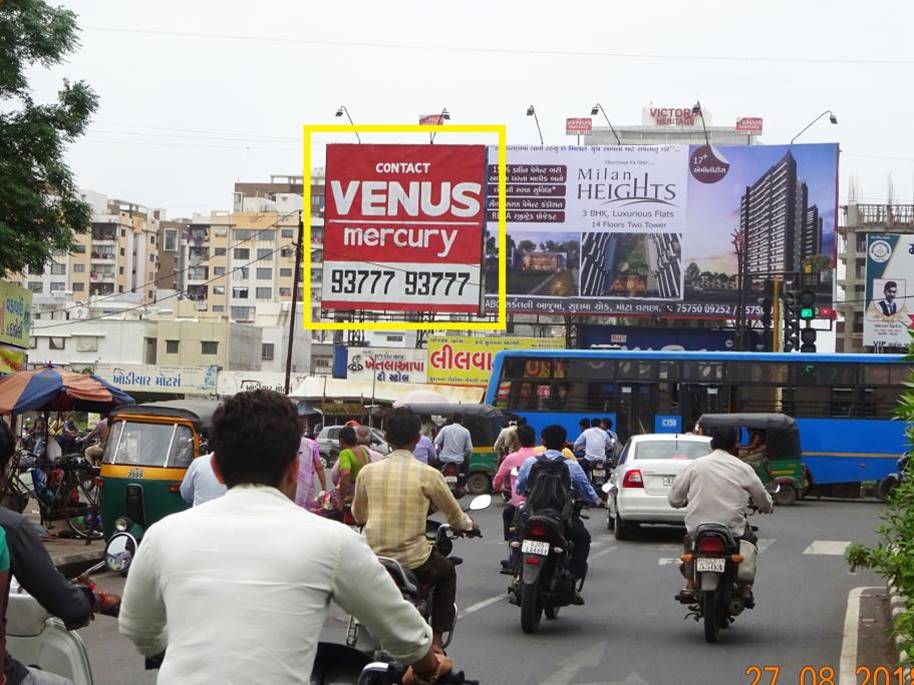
[389,364]
[403,228]
[654,230]
[467,359]
[11,360]
[750,126]
[668,339]
[578,126]
[889,314]
[15,315]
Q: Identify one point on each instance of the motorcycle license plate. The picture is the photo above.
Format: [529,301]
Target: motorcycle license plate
[535,547]
[716,565]
[599,473]
[450,479]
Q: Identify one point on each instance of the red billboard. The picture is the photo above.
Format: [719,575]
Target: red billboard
[431,120]
[403,229]
[750,126]
[578,126]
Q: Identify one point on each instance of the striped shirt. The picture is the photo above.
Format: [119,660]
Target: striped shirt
[391,500]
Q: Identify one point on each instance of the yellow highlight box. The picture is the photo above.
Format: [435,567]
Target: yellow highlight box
[502,322]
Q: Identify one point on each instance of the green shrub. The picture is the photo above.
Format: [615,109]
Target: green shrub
[893,556]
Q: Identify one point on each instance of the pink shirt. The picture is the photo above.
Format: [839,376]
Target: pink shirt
[513,461]
[309,457]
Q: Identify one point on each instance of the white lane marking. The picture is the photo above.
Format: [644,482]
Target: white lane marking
[669,561]
[827,547]
[587,658]
[764,543]
[473,608]
[601,553]
[848,672]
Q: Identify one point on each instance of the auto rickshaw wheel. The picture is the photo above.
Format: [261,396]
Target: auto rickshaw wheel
[787,495]
[478,484]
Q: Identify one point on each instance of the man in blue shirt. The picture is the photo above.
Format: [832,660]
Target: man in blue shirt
[425,452]
[553,438]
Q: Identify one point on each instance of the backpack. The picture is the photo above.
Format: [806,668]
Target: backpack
[549,487]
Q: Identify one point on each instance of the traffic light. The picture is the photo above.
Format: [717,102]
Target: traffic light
[791,321]
[808,338]
[807,305]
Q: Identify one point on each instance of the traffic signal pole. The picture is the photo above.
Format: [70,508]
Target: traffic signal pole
[776,316]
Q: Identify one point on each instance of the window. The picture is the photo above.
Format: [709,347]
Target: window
[285,292]
[58,285]
[286,252]
[264,273]
[241,253]
[285,273]
[123,233]
[218,271]
[264,293]
[36,286]
[152,258]
[249,234]
[78,249]
[120,270]
[264,253]
[218,290]
[58,269]
[286,233]
[672,449]
[209,347]
[85,343]
[240,293]
[171,240]
[79,268]
[219,252]
[78,287]
[152,240]
[122,252]
[171,346]
[266,352]
[57,343]
[242,313]
[218,308]
[33,343]
[240,273]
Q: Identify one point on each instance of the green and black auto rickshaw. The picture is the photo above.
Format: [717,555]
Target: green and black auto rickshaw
[781,456]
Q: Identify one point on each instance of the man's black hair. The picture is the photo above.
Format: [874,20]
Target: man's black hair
[255,436]
[725,438]
[609,422]
[595,422]
[526,436]
[554,437]
[457,418]
[348,436]
[889,284]
[7,444]
[403,427]
[584,423]
[521,421]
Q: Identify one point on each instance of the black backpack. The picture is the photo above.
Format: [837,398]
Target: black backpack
[549,487]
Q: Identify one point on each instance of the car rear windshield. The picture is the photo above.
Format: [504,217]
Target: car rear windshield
[672,449]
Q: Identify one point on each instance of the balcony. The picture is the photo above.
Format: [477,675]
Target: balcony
[102,276]
[101,288]
[104,232]
[103,255]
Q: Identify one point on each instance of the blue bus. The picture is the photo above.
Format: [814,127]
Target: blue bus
[844,403]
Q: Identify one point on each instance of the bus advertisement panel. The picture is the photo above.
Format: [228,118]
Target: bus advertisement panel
[467,359]
[655,230]
[889,315]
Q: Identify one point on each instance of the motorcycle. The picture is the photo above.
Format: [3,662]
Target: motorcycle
[337,664]
[542,581]
[721,566]
[419,594]
[599,473]
[36,638]
[888,484]
[455,479]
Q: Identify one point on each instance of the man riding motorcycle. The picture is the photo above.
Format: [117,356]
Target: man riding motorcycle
[553,438]
[392,500]
[716,489]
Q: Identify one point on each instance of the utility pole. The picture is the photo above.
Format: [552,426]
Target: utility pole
[296,277]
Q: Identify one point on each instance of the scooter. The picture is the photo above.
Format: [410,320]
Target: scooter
[888,484]
[420,595]
[455,479]
[36,638]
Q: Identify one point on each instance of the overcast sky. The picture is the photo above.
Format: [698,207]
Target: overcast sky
[182,117]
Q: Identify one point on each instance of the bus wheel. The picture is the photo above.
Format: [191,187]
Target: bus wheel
[478,484]
[786,496]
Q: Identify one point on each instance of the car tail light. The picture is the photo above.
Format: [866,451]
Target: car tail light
[710,545]
[633,479]
[538,529]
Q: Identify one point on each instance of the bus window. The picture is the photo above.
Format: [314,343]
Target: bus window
[702,372]
[591,369]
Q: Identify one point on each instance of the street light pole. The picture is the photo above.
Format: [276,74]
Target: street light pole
[595,110]
[299,247]
[532,113]
[444,116]
[697,111]
[340,112]
[831,117]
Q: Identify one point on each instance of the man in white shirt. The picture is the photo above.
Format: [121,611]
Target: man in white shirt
[716,489]
[238,588]
[594,441]
[200,483]
[454,445]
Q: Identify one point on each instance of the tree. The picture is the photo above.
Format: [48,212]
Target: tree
[692,274]
[40,209]
[526,246]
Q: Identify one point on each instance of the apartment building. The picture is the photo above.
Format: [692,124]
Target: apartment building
[850,296]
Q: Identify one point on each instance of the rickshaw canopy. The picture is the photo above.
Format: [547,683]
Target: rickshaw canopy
[198,412]
[782,437]
[483,411]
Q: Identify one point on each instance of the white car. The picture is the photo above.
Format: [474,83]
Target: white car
[640,483]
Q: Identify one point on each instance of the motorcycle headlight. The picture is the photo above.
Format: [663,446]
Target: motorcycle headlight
[121,524]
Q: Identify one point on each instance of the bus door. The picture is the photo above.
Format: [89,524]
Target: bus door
[635,409]
[697,399]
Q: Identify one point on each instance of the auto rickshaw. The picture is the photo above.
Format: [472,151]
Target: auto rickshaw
[484,423]
[781,439]
[149,449]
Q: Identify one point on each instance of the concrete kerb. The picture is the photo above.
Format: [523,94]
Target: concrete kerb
[898,604]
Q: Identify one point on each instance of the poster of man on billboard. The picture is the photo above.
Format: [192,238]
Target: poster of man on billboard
[656,230]
[888,317]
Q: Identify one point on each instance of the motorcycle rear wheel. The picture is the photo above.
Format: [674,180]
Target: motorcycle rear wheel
[531,608]
[711,619]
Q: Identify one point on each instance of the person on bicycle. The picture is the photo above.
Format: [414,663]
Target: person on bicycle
[32,567]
